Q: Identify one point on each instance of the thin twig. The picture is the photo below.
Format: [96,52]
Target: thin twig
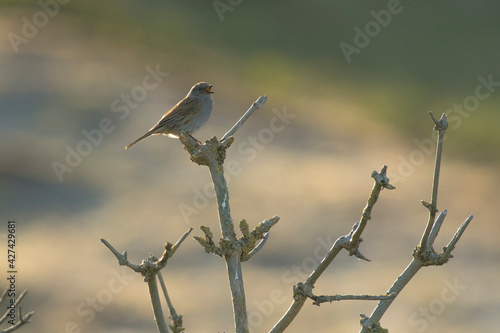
[179,242]
[435,228]
[122,258]
[381,181]
[176,319]
[334,298]
[440,125]
[255,106]
[456,237]
[165,293]
[170,250]
[260,246]
[249,239]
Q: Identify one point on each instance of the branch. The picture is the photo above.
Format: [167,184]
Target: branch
[323,299]
[122,258]
[381,182]
[261,231]
[155,301]
[176,325]
[424,254]
[255,106]
[260,246]
[349,242]
[22,320]
[456,238]
[440,125]
[435,228]
[208,244]
[149,268]
[212,154]
[170,250]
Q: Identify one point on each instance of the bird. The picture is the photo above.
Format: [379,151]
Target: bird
[187,116]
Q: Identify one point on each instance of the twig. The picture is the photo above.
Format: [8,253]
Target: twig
[456,237]
[381,181]
[260,246]
[255,106]
[249,239]
[209,245]
[440,125]
[326,298]
[122,258]
[21,320]
[170,250]
[435,228]
[176,326]
[155,301]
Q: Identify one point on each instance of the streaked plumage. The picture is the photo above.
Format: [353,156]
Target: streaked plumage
[188,115]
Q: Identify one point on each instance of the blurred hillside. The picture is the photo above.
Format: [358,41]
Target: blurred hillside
[349,87]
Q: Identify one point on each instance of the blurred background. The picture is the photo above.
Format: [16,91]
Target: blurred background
[349,88]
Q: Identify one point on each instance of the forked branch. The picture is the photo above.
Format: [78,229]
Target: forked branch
[350,242]
[149,268]
[10,313]
[424,254]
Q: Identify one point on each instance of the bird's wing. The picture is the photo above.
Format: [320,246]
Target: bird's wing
[179,112]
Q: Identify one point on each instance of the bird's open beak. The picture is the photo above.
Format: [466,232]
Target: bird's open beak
[208,90]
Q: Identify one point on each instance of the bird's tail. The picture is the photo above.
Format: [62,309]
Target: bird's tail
[149,133]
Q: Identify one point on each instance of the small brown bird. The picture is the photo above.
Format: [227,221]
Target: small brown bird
[188,115]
